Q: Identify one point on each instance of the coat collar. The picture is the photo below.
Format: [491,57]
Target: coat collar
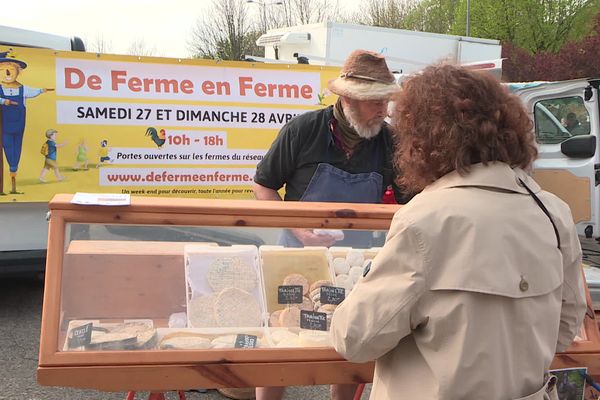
[496,175]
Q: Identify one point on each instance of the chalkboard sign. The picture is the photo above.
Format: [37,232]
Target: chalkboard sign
[316,321]
[332,295]
[245,341]
[290,294]
[81,336]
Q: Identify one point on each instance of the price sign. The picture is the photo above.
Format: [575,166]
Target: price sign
[290,294]
[316,321]
[332,295]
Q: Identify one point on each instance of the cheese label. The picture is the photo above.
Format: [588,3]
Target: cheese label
[245,341]
[332,295]
[316,321]
[290,294]
[81,336]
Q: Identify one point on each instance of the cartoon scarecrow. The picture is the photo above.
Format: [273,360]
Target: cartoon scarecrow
[12,104]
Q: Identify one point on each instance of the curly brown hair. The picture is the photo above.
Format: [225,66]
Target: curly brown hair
[448,118]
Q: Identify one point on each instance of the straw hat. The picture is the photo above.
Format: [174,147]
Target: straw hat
[8,56]
[365,76]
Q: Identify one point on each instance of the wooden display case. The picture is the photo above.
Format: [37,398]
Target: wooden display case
[111,275]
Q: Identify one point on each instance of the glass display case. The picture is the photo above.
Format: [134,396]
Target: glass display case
[168,294]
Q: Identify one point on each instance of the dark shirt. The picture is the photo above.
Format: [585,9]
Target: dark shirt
[306,141]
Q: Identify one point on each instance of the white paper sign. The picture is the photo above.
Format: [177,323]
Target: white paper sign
[101,199]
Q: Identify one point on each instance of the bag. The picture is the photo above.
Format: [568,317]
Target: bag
[44,149]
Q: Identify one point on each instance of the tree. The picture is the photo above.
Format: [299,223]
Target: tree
[576,59]
[224,32]
[301,12]
[534,25]
[139,48]
[385,13]
[99,44]
[436,16]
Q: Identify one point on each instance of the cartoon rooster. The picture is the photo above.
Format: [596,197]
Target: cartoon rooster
[157,137]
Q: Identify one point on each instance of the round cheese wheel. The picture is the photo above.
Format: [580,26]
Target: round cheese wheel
[327,308]
[290,317]
[340,266]
[355,258]
[317,285]
[306,305]
[355,273]
[236,308]
[344,281]
[274,318]
[297,280]
[200,311]
[231,272]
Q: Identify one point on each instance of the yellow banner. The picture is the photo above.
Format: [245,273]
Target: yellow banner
[83,122]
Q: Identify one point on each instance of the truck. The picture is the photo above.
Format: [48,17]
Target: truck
[329,43]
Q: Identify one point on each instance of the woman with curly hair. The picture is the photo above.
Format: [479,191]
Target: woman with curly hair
[479,282]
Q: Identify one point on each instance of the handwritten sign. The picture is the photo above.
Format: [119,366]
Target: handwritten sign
[332,295]
[316,321]
[245,341]
[81,336]
[290,294]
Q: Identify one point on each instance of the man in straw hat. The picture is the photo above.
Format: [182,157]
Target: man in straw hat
[340,153]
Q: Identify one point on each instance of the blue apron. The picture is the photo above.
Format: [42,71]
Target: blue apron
[335,185]
[13,127]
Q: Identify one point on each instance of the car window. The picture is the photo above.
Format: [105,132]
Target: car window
[556,120]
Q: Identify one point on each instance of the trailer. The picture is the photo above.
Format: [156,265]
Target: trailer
[329,43]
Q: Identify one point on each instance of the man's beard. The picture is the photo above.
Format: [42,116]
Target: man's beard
[365,130]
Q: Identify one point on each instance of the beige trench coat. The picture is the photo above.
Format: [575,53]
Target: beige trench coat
[470,297]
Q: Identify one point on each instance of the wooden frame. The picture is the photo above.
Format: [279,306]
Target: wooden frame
[171,370]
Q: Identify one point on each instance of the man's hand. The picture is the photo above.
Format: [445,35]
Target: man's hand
[10,103]
[308,238]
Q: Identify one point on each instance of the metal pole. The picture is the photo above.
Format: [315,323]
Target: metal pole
[468,17]
[264,7]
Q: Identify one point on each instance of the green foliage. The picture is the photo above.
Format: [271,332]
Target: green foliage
[436,16]
[534,25]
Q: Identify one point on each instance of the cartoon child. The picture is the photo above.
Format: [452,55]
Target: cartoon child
[12,103]
[50,159]
[104,149]
[82,158]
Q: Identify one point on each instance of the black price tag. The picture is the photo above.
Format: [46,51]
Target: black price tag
[290,294]
[81,336]
[245,341]
[332,295]
[316,321]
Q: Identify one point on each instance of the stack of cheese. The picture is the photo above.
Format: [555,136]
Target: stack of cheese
[282,337]
[215,339]
[307,267]
[348,264]
[131,335]
[223,286]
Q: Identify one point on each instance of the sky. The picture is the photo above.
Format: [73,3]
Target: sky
[164,26]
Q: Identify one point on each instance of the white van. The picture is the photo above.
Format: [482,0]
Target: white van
[10,36]
[23,248]
[566,119]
